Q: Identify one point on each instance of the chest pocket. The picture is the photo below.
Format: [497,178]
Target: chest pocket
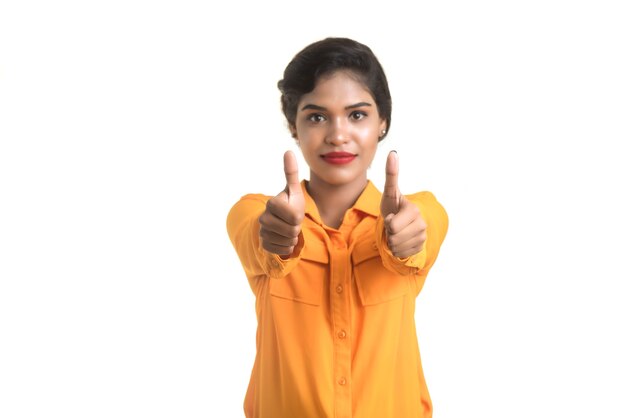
[305,283]
[375,283]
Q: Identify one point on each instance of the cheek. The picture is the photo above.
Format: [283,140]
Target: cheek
[368,138]
[309,152]
[368,132]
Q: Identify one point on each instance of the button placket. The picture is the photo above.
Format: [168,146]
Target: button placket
[340,314]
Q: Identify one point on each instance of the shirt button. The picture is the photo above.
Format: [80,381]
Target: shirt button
[275,263]
[339,289]
[342,334]
[342,381]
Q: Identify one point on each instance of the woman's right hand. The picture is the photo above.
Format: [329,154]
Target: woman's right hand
[281,222]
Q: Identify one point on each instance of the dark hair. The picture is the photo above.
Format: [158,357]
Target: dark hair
[326,57]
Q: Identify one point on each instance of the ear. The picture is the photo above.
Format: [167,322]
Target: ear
[383,125]
[382,129]
[294,133]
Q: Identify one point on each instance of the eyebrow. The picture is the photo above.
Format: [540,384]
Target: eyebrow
[316,107]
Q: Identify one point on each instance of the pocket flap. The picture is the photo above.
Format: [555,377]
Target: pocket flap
[315,250]
[306,281]
[364,251]
[375,283]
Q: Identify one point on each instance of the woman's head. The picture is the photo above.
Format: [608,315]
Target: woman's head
[322,59]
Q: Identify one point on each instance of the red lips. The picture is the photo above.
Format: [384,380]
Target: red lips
[338,157]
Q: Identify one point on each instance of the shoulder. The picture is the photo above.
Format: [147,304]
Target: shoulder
[252,204]
[423,197]
[427,204]
[252,198]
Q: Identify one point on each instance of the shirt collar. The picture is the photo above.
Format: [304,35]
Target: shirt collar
[368,202]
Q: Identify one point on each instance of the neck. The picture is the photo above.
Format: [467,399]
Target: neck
[333,201]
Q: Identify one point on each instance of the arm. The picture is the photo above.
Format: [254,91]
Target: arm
[410,229]
[266,232]
[436,220]
[243,230]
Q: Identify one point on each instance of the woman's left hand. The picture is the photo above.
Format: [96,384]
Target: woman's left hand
[404,226]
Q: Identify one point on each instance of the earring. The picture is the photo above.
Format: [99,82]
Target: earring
[382,133]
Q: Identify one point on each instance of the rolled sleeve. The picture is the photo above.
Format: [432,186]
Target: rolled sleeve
[276,266]
[243,230]
[405,265]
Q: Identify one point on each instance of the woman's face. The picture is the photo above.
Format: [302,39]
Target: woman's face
[337,129]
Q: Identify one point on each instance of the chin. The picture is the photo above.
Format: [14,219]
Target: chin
[341,180]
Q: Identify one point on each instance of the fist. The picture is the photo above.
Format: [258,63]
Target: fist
[404,226]
[281,222]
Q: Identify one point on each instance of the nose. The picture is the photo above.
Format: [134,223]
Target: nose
[338,132]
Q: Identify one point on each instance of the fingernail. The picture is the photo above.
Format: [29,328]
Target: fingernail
[393,150]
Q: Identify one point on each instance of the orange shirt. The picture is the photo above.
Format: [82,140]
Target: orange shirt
[336,329]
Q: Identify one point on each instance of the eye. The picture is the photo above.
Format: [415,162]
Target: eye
[358,115]
[316,117]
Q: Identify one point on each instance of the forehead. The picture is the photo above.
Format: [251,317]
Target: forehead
[341,88]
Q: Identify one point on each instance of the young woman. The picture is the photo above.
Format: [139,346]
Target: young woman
[336,265]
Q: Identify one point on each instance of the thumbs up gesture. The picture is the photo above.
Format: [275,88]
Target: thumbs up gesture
[404,226]
[284,213]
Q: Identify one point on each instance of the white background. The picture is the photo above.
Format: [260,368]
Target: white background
[129,128]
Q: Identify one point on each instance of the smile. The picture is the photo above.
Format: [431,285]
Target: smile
[338,157]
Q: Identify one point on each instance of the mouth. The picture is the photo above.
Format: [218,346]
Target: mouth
[338,157]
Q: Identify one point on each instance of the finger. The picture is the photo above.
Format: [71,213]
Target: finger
[399,244]
[407,214]
[277,249]
[406,235]
[407,253]
[291,173]
[272,223]
[273,238]
[279,207]
[391,177]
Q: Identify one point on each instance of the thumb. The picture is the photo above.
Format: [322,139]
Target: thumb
[391,177]
[291,174]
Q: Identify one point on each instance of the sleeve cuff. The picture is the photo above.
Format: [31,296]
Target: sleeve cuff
[278,267]
[404,265]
